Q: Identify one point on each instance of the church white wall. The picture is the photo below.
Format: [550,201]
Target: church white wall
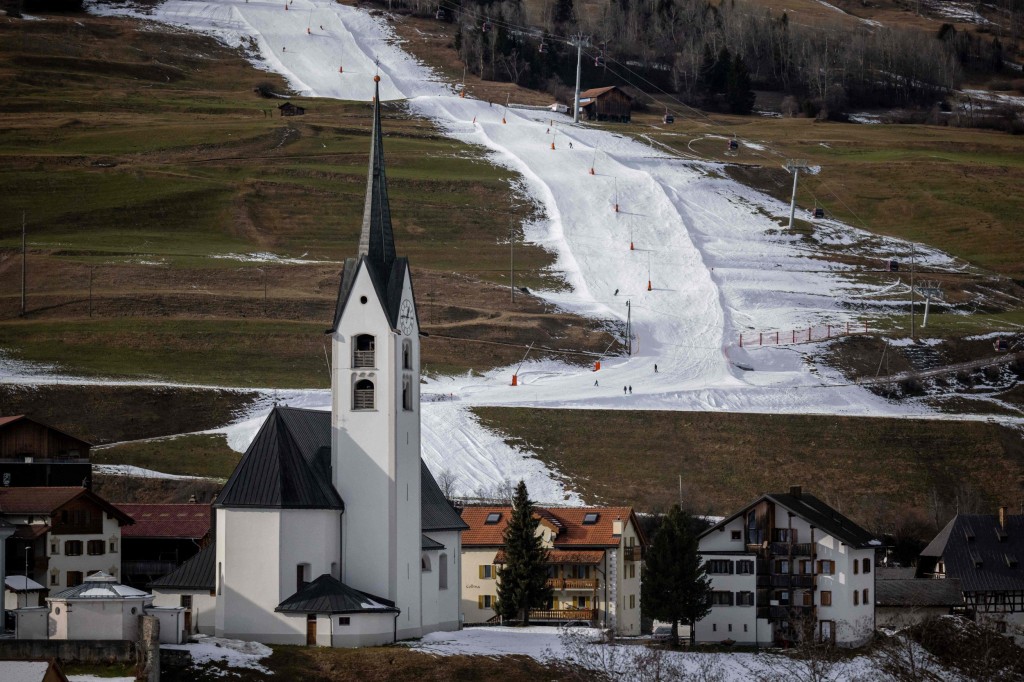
[377,459]
[441,606]
[364,629]
[364,472]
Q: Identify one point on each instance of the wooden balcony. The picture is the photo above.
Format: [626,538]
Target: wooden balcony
[572,583]
[363,358]
[563,615]
[634,553]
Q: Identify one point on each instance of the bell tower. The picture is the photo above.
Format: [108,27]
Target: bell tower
[375,420]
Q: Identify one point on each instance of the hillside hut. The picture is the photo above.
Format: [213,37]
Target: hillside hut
[606,104]
[289,109]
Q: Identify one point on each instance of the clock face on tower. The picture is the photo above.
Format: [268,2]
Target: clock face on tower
[406,317]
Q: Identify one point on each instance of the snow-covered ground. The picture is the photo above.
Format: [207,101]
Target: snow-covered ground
[710,262]
[235,653]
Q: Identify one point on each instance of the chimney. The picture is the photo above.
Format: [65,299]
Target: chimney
[1002,518]
[795,491]
[617,526]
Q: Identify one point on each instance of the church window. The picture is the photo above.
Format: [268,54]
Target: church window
[344,620]
[302,576]
[442,572]
[362,396]
[364,351]
[406,354]
[425,563]
[407,393]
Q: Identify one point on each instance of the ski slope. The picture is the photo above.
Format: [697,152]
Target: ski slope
[715,259]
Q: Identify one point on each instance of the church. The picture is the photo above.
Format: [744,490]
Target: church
[331,531]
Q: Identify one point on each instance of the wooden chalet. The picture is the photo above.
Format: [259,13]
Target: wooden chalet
[606,104]
[35,454]
[289,109]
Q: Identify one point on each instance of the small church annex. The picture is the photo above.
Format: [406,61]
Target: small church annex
[331,530]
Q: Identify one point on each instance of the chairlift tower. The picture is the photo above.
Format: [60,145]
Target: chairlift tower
[930,290]
[794,166]
[579,41]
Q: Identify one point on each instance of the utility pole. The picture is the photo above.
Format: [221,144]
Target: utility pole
[629,331]
[24,263]
[794,166]
[90,290]
[579,40]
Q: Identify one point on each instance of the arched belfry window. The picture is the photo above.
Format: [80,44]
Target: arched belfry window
[363,351]
[407,354]
[425,563]
[362,395]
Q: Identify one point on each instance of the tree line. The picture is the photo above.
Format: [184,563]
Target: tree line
[714,55]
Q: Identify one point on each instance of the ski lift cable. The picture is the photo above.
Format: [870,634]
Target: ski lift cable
[482,16]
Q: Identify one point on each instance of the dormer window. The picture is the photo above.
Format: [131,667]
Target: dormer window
[590,518]
[363,395]
[364,351]
[492,518]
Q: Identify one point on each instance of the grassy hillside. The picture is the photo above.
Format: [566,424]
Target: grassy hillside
[871,468]
[147,168]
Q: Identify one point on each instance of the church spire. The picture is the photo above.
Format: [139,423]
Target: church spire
[377,241]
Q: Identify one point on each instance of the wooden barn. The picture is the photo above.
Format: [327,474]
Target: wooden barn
[289,109]
[35,454]
[606,104]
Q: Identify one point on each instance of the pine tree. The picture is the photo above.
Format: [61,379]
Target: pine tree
[737,88]
[673,583]
[523,579]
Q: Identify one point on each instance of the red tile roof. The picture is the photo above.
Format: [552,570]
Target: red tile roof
[36,500]
[46,500]
[568,521]
[167,520]
[8,420]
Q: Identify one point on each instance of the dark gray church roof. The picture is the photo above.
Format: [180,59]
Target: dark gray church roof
[296,439]
[286,466]
[195,574]
[981,554]
[327,594]
[430,543]
[377,240]
[437,513]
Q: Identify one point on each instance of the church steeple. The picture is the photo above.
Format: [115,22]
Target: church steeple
[377,241]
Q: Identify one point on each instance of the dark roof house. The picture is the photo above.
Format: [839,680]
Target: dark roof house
[984,553]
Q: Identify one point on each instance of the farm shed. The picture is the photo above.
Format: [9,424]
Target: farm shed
[606,104]
[289,109]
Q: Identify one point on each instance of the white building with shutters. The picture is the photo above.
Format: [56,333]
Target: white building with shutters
[788,566]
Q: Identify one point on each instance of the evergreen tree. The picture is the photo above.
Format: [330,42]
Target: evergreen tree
[523,579]
[737,88]
[564,12]
[673,583]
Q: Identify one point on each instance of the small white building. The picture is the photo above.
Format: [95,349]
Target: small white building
[786,566]
[20,592]
[99,608]
[191,587]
